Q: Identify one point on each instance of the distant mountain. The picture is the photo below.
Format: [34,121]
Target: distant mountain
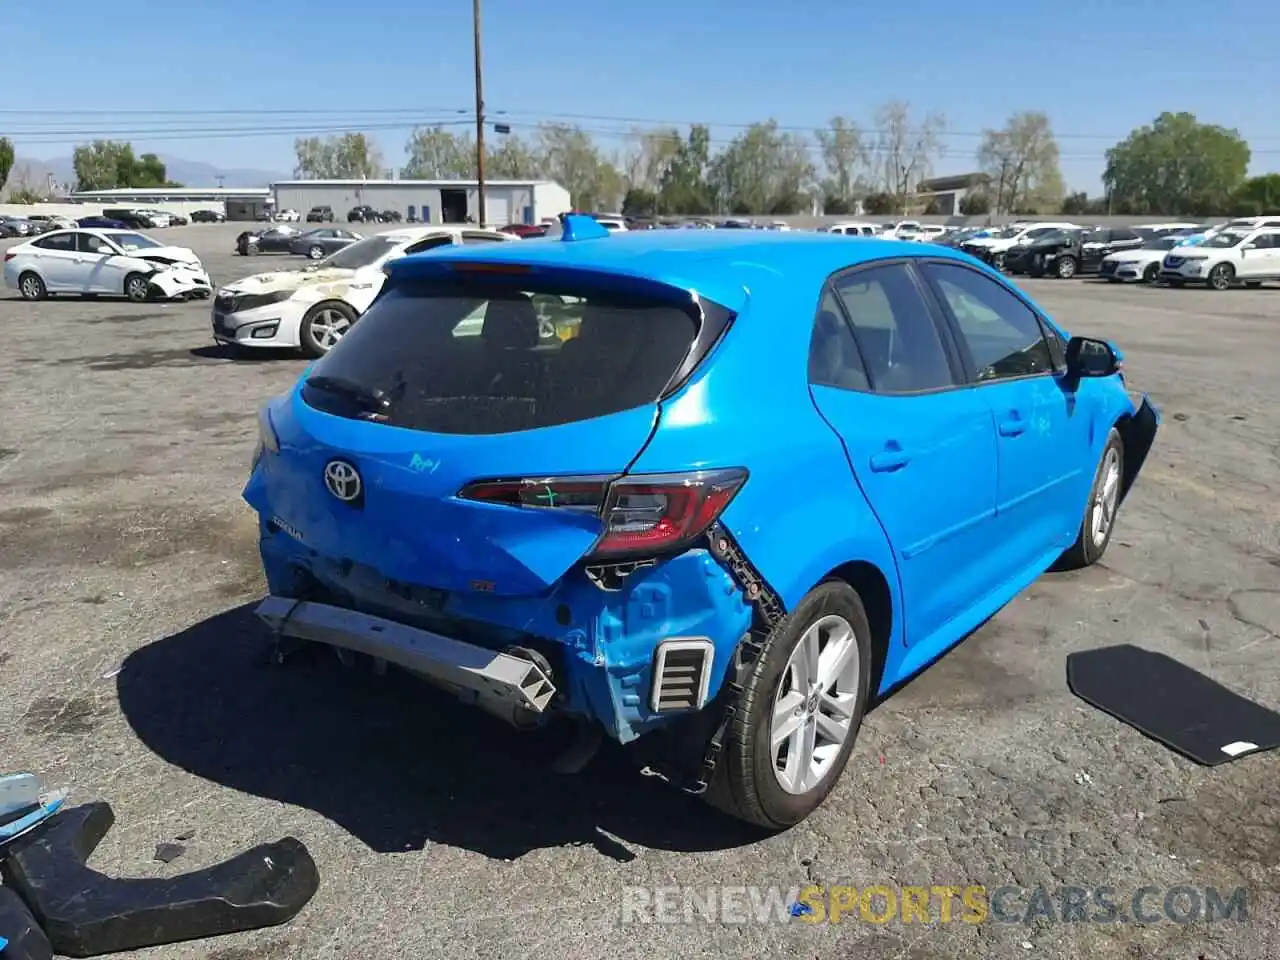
[191,173]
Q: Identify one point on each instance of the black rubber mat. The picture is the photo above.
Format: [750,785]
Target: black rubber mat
[1173,704]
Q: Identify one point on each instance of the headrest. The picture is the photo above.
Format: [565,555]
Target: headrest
[511,323]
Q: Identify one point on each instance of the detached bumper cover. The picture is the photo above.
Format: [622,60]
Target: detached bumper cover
[85,914]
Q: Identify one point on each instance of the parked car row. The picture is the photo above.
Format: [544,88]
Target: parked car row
[1241,251]
[314,244]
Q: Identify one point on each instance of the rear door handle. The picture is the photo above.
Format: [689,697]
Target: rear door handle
[1012,426]
[892,458]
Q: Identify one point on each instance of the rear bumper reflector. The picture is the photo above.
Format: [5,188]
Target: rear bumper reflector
[681,674]
[500,683]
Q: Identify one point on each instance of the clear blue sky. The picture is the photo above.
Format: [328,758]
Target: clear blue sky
[275,70]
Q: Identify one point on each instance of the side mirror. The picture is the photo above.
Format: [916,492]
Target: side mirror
[1249,246]
[1087,357]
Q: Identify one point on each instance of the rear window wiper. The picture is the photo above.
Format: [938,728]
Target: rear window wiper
[368,397]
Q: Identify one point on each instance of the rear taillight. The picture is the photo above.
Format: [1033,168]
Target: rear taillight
[9,256]
[642,515]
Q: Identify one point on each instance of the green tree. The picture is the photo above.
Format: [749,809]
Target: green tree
[351,156]
[649,155]
[640,203]
[6,160]
[844,159]
[975,204]
[1022,162]
[435,153]
[1177,165]
[880,203]
[512,159]
[569,156]
[764,170]
[683,186]
[1257,196]
[110,164]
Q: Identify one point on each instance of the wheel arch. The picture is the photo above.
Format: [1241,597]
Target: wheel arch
[877,596]
[1137,430]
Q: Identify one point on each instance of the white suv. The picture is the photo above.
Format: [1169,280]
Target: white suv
[1247,255]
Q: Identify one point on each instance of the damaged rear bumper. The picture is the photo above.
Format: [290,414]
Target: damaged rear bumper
[514,688]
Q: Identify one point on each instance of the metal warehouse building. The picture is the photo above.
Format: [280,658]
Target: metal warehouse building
[430,201]
[238,203]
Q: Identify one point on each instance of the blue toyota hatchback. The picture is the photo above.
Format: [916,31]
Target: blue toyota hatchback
[713,489]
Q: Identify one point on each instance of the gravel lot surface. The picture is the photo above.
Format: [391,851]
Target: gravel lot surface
[131,671]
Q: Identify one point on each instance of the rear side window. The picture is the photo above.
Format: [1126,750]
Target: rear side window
[484,359]
[897,335]
[58,241]
[833,353]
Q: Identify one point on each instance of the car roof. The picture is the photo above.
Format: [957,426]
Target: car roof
[403,234]
[718,264]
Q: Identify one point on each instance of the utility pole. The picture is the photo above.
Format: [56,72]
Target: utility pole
[475,14]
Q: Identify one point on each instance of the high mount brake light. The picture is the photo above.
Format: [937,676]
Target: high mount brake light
[643,515]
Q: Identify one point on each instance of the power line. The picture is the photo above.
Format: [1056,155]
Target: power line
[413,114]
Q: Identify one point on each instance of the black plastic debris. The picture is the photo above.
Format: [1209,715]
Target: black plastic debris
[1173,704]
[169,852]
[20,937]
[87,914]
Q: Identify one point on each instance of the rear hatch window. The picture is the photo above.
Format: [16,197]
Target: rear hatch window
[485,358]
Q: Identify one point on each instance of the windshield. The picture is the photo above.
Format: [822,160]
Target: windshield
[1039,232]
[134,241]
[363,253]
[1225,240]
[1161,243]
[1005,233]
[484,358]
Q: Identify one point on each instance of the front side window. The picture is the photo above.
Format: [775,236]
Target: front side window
[482,358]
[92,243]
[1002,333]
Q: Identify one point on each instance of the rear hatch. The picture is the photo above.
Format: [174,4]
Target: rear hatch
[484,423]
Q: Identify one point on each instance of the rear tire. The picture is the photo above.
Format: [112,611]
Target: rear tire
[31,286]
[1100,515]
[800,706]
[316,253]
[1065,268]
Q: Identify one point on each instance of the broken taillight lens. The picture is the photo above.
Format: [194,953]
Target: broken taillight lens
[643,515]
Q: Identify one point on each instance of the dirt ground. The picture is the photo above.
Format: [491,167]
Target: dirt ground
[132,672]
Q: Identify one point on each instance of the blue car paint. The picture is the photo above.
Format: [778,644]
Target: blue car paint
[950,554]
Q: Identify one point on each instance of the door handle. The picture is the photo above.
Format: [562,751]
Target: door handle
[892,458]
[1013,426]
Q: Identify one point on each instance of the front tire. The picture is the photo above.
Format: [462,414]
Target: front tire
[137,287]
[324,325]
[316,253]
[32,287]
[1221,277]
[1100,515]
[801,710]
[1065,268]
[1151,274]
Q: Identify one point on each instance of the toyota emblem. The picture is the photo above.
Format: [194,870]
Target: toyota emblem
[343,481]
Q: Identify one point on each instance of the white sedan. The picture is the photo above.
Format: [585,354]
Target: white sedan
[313,307]
[1141,265]
[113,262]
